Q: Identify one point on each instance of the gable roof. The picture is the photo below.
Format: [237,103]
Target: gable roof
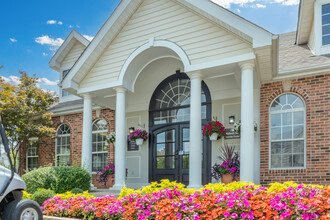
[259,37]
[65,48]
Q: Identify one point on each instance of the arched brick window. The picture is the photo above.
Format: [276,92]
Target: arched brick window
[287,132]
[62,150]
[99,145]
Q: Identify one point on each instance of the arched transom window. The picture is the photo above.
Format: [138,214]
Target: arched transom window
[171,101]
[287,132]
[62,151]
[99,145]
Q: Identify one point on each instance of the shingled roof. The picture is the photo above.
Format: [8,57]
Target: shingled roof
[292,56]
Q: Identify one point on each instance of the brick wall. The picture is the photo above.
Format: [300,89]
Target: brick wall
[315,91]
[46,148]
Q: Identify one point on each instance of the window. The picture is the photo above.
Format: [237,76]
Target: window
[326,24]
[287,132]
[32,154]
[99,145]
[62,151]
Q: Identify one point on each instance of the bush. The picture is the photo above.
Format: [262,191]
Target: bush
[26,195]
[42,195]
[77,191]
[59,179]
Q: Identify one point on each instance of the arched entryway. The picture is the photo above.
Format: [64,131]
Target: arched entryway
[169,115]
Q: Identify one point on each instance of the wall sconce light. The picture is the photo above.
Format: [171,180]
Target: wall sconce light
[131,129]
[231,119]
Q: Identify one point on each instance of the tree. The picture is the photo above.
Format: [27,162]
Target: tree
[23,110]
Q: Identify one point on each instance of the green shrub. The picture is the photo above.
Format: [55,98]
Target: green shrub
[39,178]
[59,179]
[68,178]
[42,195]
[77,191]
[26,195]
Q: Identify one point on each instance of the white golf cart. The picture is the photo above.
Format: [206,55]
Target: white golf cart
[12,206]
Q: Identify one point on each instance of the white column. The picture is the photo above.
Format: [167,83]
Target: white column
[121,139]
[195,156]
[86,153]
[247,127]
[257,136]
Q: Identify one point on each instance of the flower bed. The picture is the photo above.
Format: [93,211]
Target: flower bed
[248,202]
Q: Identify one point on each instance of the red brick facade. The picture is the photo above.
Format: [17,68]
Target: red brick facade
[46,150]
[315,91]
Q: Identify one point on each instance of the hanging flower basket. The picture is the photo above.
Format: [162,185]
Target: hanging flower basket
[214,130]
[138,136]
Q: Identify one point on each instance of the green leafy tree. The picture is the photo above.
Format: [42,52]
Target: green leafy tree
[23,110]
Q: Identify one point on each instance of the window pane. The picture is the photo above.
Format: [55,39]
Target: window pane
[287,147]
[287,118]
[325,29]
[275,120]
[276,161]
[276,148]
[325,9]
[291,98]
[298,103]
[275,106]
[298,160]
[170,162]
[276,133]
[326,40]
[298,147]
[298,131]
[185,161]
[287,132]
[282,99]
[186,147]
[325,19]
[160,162]
[286,161]
[186,134]
[298,118]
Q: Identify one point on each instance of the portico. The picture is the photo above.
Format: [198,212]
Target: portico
[171,80]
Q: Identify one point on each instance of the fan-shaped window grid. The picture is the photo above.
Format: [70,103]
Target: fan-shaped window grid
[172,103]
[62,151]
[99,145]
[287,132]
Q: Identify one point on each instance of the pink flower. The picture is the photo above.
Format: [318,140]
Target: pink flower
[226,214]
[234,216]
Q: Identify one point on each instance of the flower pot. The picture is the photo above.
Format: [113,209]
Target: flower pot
[227,178]
[214,137]
[139,141]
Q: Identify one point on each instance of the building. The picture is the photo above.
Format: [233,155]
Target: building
[171,66]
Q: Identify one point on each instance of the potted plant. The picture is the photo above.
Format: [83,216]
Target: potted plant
[237,127]
[111,139]
[106,175]
[214,130]
[228,170]
[138,136]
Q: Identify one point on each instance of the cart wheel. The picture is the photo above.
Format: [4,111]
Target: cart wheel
[24,209]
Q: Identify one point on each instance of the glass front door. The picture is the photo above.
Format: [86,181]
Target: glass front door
[171,153]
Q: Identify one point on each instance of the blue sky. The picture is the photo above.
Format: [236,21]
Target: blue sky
[32,30]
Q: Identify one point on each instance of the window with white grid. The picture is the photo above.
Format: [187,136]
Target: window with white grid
[99,145]
[32,154]
[287,132]
[62,151]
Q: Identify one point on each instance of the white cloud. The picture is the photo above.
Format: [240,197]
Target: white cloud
[287,2]
[7,80]
[70,26]
[44,54]
[11,79]
[238,10]
[13,40]
[47,82]
[90,38]
[260,5]
[227,3]
[49,41]
[54,22]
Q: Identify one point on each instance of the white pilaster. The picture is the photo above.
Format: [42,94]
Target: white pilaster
[257,136]
[121,139]
[247,124]
[86,154]
[195,156]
